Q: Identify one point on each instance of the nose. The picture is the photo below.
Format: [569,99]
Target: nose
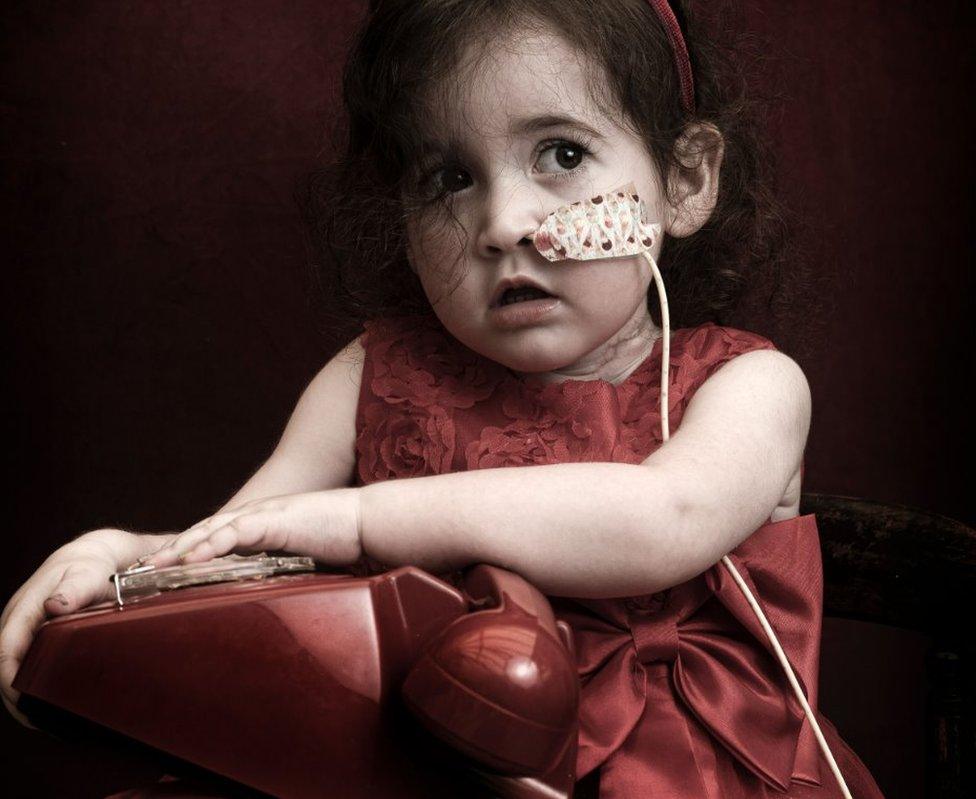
[511,216]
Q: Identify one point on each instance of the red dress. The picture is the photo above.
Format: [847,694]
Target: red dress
[681,694]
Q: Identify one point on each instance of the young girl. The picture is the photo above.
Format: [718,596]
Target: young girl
[469,122]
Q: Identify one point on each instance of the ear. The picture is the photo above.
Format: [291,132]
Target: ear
[693,182]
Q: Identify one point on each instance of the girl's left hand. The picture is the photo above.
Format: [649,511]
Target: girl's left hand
[323,525]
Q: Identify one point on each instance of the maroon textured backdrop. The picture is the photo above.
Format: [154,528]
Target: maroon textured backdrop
[156,293]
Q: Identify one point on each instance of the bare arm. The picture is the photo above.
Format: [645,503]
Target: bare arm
[610,529]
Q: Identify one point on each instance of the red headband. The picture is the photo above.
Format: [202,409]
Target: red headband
[681,61]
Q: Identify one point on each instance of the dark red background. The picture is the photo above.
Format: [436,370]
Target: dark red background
[157,299]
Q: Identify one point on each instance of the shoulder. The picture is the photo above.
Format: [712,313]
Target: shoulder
[738,368]
[342,373]
[316,449]
[768,380]
[331,395]
[700,352]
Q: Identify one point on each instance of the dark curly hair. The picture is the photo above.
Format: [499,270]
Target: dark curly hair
[405,52]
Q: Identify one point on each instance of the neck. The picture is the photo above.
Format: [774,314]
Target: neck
[630,367]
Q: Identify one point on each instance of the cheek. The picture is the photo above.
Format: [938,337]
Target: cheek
[606,283]
[449,284]
[435,249]
[428,256]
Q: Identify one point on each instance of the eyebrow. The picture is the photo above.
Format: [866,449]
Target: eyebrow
[523,126]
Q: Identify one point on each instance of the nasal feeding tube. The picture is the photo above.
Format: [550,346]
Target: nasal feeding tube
[613,225]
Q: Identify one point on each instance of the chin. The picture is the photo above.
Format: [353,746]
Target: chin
[514,350]
[534,364]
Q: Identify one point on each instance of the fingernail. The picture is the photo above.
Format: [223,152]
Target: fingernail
[59,598]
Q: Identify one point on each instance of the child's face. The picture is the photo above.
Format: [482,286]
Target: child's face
[507,173]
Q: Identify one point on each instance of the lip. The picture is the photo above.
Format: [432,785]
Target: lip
[521,314]
[519,281]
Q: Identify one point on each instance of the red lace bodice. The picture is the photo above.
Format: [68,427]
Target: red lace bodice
[430,405]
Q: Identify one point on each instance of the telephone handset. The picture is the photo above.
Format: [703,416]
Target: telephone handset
[500,684]
[307,684]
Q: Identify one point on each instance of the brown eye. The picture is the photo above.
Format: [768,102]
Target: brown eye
[563,158]
[452,179]
[568,156]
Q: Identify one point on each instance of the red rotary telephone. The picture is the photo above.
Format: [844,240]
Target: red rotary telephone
[314,684]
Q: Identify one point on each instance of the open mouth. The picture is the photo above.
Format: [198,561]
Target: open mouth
[521,294]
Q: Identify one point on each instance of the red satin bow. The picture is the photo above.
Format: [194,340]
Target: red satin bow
[675,682]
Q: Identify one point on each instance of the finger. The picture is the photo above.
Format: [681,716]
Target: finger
[253,532]
[225,517]
[37,587]
[165,554]
[80,585]
[171,553]
[23,621]
[174,552]
[217,544]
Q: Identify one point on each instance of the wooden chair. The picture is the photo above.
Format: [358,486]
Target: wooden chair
[898,600]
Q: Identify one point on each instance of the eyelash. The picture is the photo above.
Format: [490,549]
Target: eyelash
[582,144]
